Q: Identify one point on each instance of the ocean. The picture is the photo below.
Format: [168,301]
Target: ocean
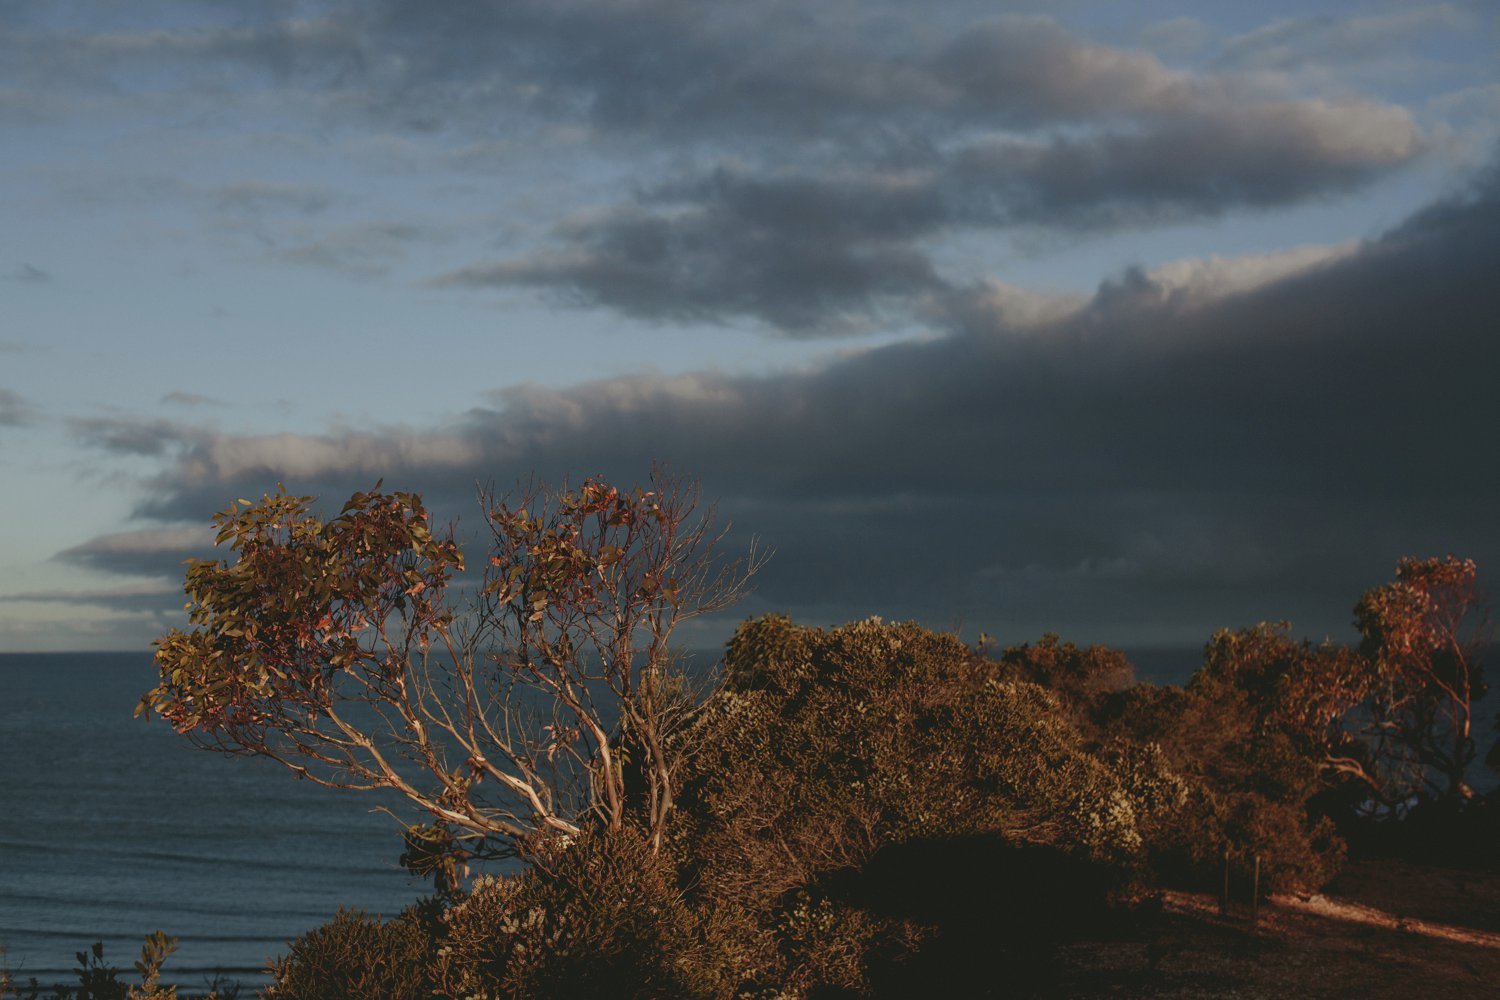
[112,827]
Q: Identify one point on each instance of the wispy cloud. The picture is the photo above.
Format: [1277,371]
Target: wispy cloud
[361,251]
[258,197]
[152,552]
[15,411]
[126,435]
[192,399]
[30,274]
[1307,41]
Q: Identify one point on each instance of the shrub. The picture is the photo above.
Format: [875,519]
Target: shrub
[826,747]
[98,980]
[601,917]
[1082,677]
[355,956]
[1247,785]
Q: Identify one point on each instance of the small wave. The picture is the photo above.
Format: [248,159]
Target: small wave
[214,861]
[182,939]
[62,899]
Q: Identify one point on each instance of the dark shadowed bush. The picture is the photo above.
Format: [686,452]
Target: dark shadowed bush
[1249,786]
[354,956]
[826,749]
[602,917]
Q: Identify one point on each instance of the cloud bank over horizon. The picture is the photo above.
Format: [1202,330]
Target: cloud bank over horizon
[1213,440]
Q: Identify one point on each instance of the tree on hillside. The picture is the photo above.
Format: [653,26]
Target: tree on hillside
[341,649]
[1424,634]
[1311,693]
[1250,778]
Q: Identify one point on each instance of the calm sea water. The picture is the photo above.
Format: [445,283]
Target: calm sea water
[111,827]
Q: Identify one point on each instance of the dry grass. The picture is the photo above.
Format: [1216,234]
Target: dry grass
[1383,930]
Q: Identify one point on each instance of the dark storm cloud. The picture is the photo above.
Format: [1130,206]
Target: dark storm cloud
[1202,446]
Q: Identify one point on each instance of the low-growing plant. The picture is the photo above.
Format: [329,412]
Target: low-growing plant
[355,956]
[98,980]
[600,917]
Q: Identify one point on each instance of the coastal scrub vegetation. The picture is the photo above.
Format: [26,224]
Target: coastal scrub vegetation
[98,980]
[870,810]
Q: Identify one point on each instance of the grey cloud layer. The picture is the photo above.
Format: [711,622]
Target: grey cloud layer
[805,257]
[718,69]
[1187,450]
[157,552]
[1108,139]
[818,149]
[133,436]
[815,254]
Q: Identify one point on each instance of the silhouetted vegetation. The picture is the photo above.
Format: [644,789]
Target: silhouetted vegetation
[98,980]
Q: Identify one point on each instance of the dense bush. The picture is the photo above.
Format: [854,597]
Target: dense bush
[825,748]
[857,811]
[355,956]
[870,733]
[1250,784]
[868,811]
[1082,677]
[602,917]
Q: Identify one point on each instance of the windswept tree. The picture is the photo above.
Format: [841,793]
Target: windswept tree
[543,697]
[1424,635]
[1316,695]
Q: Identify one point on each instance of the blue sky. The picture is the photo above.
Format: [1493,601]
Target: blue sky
[1128,321]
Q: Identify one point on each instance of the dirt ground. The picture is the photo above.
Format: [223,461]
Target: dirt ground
[1383,929]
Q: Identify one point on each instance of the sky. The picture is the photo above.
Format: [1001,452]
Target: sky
[1129,322]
